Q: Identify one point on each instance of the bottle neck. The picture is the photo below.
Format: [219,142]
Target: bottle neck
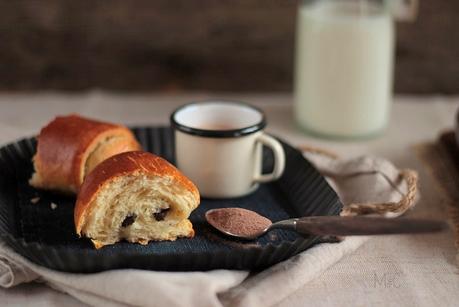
[347,8]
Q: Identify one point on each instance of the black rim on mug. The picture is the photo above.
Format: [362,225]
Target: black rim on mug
[216,133]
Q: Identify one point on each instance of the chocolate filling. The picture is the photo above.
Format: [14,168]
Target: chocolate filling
[129,220]
[159,216]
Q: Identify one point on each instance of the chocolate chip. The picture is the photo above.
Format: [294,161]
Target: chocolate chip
[159,216]
[129,220]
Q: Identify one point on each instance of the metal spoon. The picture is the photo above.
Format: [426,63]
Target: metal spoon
[340,226]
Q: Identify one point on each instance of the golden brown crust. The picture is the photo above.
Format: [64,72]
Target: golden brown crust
[97,244]
[121,165]
[65,144]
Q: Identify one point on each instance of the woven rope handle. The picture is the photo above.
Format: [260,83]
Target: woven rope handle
[406,202]
[397,208]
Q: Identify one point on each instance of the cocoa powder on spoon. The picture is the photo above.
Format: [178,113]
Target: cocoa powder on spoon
[238,221]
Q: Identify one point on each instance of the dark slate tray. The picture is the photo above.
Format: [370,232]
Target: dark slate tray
[47,237]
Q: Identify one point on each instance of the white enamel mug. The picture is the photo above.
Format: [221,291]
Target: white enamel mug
[218,145]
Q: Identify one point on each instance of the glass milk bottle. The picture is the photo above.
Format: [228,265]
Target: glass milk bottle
[344,64]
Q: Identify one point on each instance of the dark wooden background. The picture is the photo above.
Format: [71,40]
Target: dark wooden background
[171,45]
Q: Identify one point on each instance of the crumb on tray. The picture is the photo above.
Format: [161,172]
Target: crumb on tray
[35,200]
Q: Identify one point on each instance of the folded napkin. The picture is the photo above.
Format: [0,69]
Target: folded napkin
[366,185]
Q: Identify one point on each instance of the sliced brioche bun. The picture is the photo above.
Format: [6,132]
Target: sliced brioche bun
[136,196]
[69,147]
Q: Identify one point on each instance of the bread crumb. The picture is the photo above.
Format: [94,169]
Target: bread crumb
[35,200]
[53,206]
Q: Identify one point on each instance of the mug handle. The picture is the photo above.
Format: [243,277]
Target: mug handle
[279,158]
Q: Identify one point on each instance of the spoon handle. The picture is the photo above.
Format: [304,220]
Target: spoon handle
[358,225]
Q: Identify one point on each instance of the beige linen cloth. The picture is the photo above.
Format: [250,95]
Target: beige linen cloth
[360,183]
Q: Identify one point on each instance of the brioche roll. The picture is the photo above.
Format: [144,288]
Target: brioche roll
[70,147]
[135,196]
